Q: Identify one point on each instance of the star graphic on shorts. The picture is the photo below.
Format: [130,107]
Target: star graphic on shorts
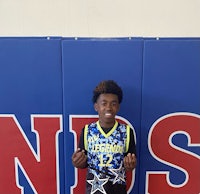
[97,184]
[119,174]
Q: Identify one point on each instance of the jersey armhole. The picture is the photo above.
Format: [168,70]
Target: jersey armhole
[85,137]
[127,137]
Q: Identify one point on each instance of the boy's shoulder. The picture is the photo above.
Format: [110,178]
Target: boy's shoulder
[93,124]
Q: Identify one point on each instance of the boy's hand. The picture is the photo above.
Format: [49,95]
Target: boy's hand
[130,161]
[79,159]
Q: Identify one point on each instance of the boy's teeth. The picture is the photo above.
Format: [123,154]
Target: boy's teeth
[108,114]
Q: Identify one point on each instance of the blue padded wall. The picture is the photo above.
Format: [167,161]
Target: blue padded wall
[54,77]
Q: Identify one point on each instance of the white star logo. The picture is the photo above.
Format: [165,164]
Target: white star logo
[119,174]
[97,184]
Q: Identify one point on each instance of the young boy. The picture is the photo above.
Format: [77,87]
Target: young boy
[106,147]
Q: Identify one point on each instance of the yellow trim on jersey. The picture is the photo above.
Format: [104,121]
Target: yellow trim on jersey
[127,137]
[110,132]
[85,137]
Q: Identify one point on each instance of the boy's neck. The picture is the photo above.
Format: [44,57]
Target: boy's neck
[106,125]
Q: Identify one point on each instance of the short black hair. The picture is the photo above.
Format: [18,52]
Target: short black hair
[107,87]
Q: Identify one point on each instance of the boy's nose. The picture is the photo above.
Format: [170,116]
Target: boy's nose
[109,106]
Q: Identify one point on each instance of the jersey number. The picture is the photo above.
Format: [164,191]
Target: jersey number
[105,160]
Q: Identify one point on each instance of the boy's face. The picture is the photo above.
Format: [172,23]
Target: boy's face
[107,106]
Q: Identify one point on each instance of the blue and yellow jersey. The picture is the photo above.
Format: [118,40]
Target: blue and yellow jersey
[105,151]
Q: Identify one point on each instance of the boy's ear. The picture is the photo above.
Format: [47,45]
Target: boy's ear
[95,106]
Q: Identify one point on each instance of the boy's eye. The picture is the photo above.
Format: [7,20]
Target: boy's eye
[111,104]
[114,103]
[103,103]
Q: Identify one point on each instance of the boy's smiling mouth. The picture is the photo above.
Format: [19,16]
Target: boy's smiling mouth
[108,114]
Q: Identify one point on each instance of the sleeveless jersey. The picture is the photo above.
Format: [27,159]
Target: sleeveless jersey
[105,152]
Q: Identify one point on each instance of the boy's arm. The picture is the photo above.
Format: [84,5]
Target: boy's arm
[79,157]
[130,159]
